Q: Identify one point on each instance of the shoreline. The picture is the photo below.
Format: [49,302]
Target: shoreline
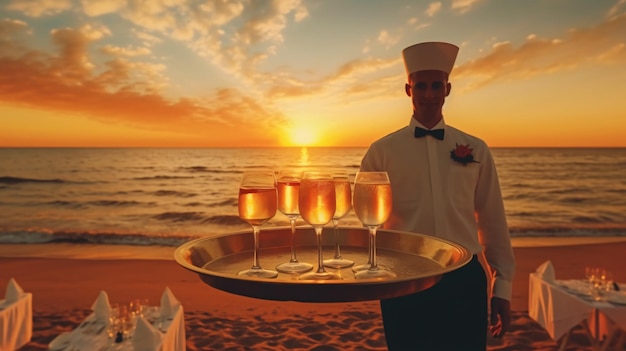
[154,252]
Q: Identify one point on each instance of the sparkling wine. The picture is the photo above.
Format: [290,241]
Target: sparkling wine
[343,195]
[372,202]
[317,201]
[257,205]
[288,197]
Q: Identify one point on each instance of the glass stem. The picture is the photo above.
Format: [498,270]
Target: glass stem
[369,248]
[337,249]
[374,264]
[293,259]
[255,261]
[320,258]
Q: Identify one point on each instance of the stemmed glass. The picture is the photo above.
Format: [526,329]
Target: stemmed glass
[343,197]
[257,204]
[372,205]
[317,207]
[288,184]
[591,274]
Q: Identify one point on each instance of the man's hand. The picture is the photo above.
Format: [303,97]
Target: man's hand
[500,316]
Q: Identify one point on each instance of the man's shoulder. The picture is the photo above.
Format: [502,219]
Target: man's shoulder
[392,137]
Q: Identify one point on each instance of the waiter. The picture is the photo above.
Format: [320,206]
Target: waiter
[444,184]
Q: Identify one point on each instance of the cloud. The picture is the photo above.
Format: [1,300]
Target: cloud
[39,8]
[123,91]
[94,8]
[146,39]
[463,6]
[236,36]
[599,45]
[433,8]
[387,39]
[128,52]
[615,9]
[348,78]
[10,31]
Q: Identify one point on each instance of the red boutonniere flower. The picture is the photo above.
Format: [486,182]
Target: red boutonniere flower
[462,154]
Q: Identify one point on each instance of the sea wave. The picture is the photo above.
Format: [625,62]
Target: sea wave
[161,177]
[203,169]
[18,180]
[104,238]
[565,231]
[195,216]
[43,236]
[96,203]
[10,180]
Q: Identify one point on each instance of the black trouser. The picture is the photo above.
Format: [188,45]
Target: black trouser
[450,316]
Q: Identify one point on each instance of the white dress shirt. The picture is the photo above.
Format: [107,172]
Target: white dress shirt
[436,195]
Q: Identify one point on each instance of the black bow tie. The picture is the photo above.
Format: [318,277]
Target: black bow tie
[436,133]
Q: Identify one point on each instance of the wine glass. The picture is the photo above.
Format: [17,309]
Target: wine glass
[603,284]
[288,184]
[343,197]
[257,204]
[317,207]
[591,274]
[372,205]
[135,307]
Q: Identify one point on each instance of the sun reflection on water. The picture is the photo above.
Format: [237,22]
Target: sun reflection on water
[303,161]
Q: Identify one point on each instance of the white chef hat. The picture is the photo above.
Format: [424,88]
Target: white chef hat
[437,56]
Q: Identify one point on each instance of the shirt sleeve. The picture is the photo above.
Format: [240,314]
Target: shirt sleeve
[493,229]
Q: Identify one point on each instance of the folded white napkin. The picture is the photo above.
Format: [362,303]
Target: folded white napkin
[13,291]
[169,303]
[146,337]
[546,271]
[101,307]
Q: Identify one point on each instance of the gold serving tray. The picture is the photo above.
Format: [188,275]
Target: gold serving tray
[418,261]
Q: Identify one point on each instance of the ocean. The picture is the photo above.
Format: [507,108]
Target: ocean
[152,196]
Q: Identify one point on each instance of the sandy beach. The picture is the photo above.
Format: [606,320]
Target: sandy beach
[64,284]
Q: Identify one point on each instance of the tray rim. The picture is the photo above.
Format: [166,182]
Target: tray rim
[181,250]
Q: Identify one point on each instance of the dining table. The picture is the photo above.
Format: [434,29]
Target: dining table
[16,322]
[560,306]
[91,334]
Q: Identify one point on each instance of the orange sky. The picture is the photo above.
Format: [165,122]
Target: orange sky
[288,73]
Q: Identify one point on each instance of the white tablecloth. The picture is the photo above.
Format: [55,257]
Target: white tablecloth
[91,335]
[16,322]
[560,306]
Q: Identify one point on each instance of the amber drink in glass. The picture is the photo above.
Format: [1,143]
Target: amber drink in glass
[317,208]
[288,186]
[257,205]
[372,205]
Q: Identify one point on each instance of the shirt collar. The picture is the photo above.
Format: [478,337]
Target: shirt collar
[414,123]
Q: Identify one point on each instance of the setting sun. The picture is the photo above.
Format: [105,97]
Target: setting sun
[303,136]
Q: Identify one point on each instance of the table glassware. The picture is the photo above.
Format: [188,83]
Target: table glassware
[602,285]
[372,203]
[135,307]
[257,205]
[317,207]
[590,274]
[288,187]
[145,306]
[343,197]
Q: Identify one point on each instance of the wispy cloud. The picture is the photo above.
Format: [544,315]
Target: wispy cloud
[463,6]
[433,8]
[615,9]
[599,45]
[38,8]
